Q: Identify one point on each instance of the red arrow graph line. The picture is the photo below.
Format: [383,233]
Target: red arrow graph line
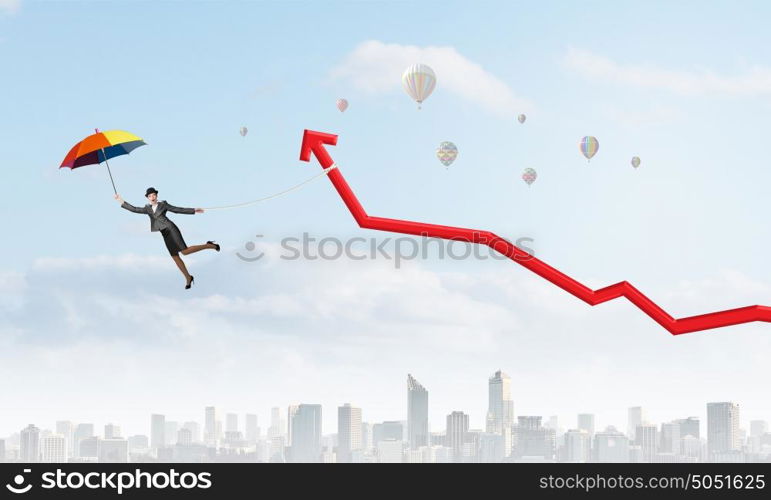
[313,143]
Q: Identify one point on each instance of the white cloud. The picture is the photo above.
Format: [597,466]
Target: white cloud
[10,6]
[755,81]
[377,67]
[336,331]
[105,262]
[655,115]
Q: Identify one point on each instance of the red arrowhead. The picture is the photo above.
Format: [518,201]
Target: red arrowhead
[313,142]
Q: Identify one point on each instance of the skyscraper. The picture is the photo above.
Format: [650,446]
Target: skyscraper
[500,406]
[210,426]
[417,413]
[89,448]
[306,434]
[113,451]
[157,431]
[646,437]
[457,432]
[530,439]
[82,431]
[611,445]
[636,417]
[195,431]
[252,429]
[390,451]
[366,436]
[291,410]
[348,432]
[277,428]
[111,431]
[53,449]
[758,429]
[723,427]
[491,448]
[689,427]
[576,446]
[670,438]
[390,429]
[170,430]
[231,422]
[67,429]
[138,443]
[30,444]
[586,422]
[184,437]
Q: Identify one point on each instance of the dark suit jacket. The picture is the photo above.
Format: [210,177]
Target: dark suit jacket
[158,219]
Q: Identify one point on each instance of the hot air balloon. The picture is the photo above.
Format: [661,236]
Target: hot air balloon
[447,152]
[589,146]
[342,104]
[419,81]
[243,131]
[529,175]
[635,161]
[522,118]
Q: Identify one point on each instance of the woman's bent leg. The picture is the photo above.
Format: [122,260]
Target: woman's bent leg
[196,248]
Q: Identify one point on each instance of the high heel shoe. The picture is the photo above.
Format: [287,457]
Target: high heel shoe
[216,246]
[190,283]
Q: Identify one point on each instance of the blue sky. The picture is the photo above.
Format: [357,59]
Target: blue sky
[686,87]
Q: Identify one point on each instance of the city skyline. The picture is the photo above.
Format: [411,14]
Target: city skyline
[508,437]
[478,419]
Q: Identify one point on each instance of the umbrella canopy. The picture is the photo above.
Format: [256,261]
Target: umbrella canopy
[100,147]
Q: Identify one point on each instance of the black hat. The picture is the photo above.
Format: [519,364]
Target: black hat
[150,190]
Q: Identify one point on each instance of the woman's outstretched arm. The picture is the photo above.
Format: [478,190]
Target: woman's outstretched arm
[128,206]
[179,210]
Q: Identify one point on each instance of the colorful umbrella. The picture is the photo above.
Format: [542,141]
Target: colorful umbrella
[100,147]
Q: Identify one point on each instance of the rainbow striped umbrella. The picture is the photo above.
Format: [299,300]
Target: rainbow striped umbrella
[100,147]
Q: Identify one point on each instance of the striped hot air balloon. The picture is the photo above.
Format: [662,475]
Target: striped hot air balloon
[446,153]
[589,146]
[419,81]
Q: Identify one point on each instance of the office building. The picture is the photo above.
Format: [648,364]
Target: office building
[635,418]
[348,432]
[306,434]
[500,406]
[30,444]
[417,413]
[113,451]
[586,423]
[112,431]
[210,426]
[457,432]
[611,446]
[53,449]
[251,428]
[723,428]
[157,431]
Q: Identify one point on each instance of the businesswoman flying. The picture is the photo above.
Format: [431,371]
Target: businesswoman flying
[176,245]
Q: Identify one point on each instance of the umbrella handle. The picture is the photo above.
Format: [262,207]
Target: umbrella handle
[109,172]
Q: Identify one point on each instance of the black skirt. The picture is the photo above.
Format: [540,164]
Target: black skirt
[173,239]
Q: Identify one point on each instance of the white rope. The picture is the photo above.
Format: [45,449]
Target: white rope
[276,195]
